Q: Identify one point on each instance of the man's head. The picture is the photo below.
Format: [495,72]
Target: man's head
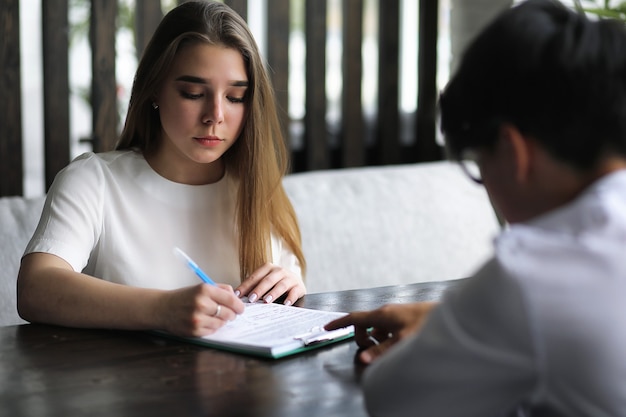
[548,76]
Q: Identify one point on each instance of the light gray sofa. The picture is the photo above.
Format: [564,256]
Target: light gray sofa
[361,227]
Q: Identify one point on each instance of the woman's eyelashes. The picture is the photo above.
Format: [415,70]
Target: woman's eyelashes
[192,96]
[236,99]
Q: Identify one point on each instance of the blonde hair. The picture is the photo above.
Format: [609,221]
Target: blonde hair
[258,159]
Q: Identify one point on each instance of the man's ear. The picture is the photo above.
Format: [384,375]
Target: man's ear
[519,150]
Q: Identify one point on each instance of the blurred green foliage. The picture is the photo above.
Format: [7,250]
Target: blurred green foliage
[606,9]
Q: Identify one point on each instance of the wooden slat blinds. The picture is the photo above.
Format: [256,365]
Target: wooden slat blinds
[56,89]
[10,100]
[278,57]
[354,141]
[426,148]
[316,149]
[103,84]
[388,76]
[351,104]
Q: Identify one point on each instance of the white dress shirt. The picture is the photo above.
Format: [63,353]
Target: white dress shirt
[543,322]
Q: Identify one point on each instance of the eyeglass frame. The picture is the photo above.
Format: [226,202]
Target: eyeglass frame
[469,154]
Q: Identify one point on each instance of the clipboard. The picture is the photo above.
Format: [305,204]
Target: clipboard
[273,331]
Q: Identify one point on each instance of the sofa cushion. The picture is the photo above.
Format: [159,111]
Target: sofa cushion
[376,226]
[18,219]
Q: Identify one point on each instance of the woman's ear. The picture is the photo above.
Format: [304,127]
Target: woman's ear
[519,150]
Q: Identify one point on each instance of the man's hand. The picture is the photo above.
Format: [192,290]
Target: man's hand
[378,330]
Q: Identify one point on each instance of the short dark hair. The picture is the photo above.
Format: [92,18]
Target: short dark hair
[550,71]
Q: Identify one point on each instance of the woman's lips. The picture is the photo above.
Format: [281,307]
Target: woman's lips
[209,140]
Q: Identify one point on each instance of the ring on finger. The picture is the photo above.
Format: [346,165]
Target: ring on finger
[218,311]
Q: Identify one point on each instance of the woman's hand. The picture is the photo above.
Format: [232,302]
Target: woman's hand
[270,282]
[199,310]
[49,291]
[378,330]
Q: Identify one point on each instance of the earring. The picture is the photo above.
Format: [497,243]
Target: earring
[154,105]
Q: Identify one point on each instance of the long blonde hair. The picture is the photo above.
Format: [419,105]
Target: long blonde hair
[258,159]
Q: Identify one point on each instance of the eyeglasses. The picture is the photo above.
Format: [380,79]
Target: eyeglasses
[469,162]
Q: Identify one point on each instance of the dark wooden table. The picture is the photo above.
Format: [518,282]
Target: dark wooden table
[55,371]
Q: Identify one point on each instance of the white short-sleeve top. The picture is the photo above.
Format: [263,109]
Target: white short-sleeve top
[110,215]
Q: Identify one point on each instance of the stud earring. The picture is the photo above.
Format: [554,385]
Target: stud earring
[154,105]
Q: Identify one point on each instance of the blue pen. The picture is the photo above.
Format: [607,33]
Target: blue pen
[194,266]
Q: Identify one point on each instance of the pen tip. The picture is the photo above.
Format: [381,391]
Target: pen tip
[178,252]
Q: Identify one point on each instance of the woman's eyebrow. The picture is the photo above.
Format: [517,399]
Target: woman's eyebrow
[200,80]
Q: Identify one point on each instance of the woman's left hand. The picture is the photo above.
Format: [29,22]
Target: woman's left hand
[270,282]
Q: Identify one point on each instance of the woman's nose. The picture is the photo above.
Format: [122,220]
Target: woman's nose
[214,111]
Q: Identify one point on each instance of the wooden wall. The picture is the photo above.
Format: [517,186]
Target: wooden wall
[318,152]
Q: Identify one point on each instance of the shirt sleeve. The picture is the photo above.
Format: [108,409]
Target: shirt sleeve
[71,220]
[473,357]
[282,255]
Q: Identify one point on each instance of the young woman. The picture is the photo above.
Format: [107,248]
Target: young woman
[198,166]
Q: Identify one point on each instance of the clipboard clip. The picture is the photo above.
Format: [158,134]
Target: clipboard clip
[319,335]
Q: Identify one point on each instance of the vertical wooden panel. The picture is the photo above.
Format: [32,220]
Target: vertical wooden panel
[148,15]
[388,72]
[240,6]
[104,86]
[426,145]
[56,89]
[278,57]
[351,103]
[11,166]
[316,143]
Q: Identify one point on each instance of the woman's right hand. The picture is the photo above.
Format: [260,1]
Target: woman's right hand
[199,310]
[49,291]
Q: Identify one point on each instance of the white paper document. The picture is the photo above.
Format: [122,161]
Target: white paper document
[276,330]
